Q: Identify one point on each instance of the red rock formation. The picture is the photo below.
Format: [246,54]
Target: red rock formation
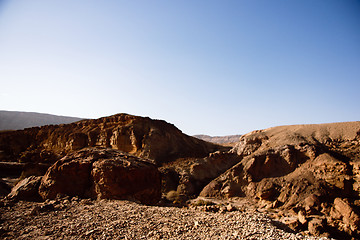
[102,173]
[143,137]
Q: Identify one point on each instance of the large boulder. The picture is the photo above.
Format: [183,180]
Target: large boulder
[26,189]
[126,178]
[102,173]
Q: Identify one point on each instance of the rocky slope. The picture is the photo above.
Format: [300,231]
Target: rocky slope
[310,170]
[143,137]
[12,120]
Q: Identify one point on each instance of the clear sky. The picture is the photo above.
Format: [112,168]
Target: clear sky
[211,67]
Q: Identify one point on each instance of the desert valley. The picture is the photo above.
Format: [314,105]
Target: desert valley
[131,177]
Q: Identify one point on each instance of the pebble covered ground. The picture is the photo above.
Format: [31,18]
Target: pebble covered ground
[117,219]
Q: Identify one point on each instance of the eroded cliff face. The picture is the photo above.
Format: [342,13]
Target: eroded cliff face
[311,170]
[143,137]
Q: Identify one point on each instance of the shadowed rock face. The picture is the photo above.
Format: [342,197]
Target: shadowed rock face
[102,174]
[189,176]
[286,165]
[143,137]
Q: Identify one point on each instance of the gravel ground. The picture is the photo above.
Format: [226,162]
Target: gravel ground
[115,219]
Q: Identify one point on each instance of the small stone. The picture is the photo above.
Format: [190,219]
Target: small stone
[316,226]
[275,204]
[196,224]
[35,211]
[86,202]
[291,222]
[75,199]
[302,217]
[311,203]
[89,232]
[230,208]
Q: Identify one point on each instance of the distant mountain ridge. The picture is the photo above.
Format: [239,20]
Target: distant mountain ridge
[13,120]
[219,139]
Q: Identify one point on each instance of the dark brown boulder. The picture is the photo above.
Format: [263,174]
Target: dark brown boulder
[126,177]
[70,176]
[26,189]
[103,173]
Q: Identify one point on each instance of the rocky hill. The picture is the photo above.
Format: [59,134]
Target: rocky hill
[11,120]
[142,137]
[312,171]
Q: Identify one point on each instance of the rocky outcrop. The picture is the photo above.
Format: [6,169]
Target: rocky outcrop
[303,168]
[143,137]
[102,174]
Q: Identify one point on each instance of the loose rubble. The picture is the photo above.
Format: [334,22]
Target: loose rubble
[117,219]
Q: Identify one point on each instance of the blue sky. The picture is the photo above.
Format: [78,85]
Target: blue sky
[212,67]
